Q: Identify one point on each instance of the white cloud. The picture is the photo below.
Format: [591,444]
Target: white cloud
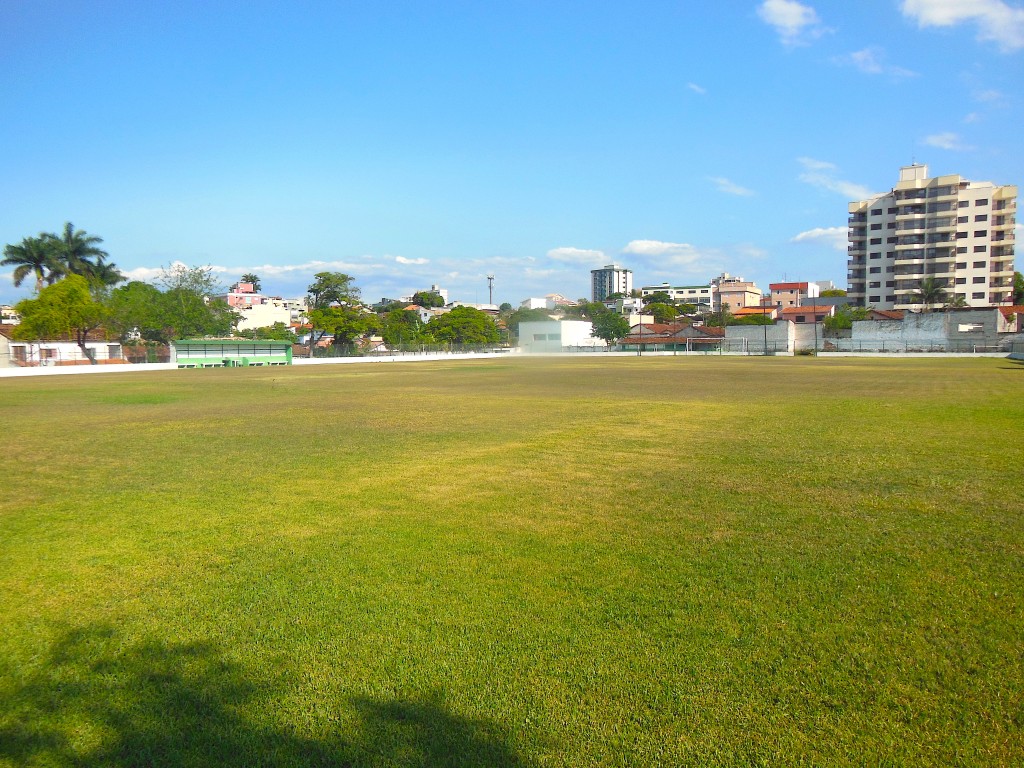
[834,237]
[795,23]
[988,95]
[871,61]
[577,255]
[403,260]
[820,174]
[696,88]
[724,185]
[995,21]
[948,140]
[675,254]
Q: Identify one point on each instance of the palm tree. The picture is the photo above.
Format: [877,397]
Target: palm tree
[77,253]
[250,277]
[33,256]
[929,292]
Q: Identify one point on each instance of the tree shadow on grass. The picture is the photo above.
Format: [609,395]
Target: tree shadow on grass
[96,703]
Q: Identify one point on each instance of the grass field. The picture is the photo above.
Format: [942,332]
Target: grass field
[618,561]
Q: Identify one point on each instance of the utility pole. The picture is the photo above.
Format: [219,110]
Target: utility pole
[490,289]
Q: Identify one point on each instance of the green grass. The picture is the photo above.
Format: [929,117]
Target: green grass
[598,561]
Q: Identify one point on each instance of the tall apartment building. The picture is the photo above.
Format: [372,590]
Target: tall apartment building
[955,231]
[608,280]
[735,292]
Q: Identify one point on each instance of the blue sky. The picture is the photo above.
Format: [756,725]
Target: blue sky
[411,143]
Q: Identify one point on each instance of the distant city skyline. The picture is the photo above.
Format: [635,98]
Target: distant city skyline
[411,145]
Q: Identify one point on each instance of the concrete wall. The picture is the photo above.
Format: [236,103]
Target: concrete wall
[961,330]
[556,335]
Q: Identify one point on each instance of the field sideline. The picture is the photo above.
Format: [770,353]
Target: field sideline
[516,561]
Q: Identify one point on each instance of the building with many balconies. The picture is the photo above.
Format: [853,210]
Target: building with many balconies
[610,279]
[942,231]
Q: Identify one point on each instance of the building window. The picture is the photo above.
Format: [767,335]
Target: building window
[961,281]
[874,285]
[890,270]
[981,202]
[875,270]
[961,249]
[875,241]
[962,219]
[961,265]
[890,283]
[875,255]
[891,225]
[980,264]
[978,281]
[961,235]
[890,240]
[981,217]
[891,297]
[978,295]
[876,211]
[876,226]
[873,299]
[981,233]
[891,211]
[890,254]
[963,204]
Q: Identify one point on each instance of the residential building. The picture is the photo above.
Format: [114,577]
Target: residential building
[8,316]
[63,350]
[771,312]
[957,232]
[734,292]
[701,296]
[792,294]
[610,279]
[809,313]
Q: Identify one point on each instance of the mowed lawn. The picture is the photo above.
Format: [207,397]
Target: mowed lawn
[594,561]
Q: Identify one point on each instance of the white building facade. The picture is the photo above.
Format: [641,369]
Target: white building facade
[538,336]
[956,232]
[608,280]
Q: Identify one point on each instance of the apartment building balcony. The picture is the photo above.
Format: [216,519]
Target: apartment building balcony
[857,218]
[910,213]
[1004,205]
[857,233]
[855,274]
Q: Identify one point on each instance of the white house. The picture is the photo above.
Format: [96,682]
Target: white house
[57,351]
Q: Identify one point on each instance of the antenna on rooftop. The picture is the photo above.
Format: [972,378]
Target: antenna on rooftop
[490,289]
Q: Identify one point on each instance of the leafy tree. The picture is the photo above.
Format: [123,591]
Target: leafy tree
[658,297]
[400,327]
[833,292]
[719,319]
[65,308]
[345,323]
[610,326]
[663,313]
[138,306]
[334,307]
[956,302]
[464,325]
[686,309]
[844,316]
[505,308]
[33,256]
[427,299]
[525,315]
[928,292]
[752,320]
[1018,288]
[250,277]
[187,307]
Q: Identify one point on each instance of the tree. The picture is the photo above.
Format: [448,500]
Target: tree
[844,316]
[833,292]
[427,299]
[1018,288]
[719,319]
[65,308]
[663,313]
[137,306]
[188,308]
[331,289]
[33,256]
[505,308]
[464,325]
[276,332]
[928,292]
[400,327]
[78,253]
[610,326]
[658,297]
[249,277]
